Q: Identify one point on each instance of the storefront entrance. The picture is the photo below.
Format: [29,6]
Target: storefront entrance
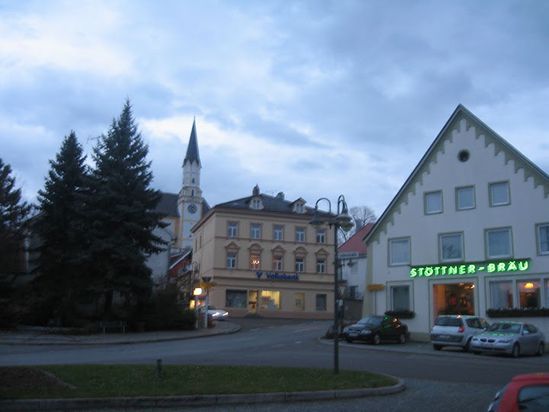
[454,299]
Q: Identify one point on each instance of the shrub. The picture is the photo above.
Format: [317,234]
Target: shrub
[165,312]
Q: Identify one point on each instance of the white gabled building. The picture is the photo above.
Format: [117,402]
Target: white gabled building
[467,233]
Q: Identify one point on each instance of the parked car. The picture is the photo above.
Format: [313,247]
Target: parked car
[375,329]
[456,330]
[529,392]
[217,314]
[513,338]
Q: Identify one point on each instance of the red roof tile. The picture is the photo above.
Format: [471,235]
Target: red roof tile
[355,243]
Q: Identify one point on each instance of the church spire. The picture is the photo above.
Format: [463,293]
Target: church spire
[192,149]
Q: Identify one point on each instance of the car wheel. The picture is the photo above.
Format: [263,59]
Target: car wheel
[541,349]
[402,338]
[467,346]
[437,347]
[515,353]
[377,339]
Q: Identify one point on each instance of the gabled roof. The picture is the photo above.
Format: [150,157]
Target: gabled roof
[192,148]
[355,243]
[491,137]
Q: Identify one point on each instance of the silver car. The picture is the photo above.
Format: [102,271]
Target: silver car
[513,338]
[456,330]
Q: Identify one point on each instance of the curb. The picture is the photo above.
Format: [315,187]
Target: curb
[195,400]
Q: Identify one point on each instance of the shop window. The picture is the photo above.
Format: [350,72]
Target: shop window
[321,236]
[498,243]
[321,265]
[236,298]
[433,202]
[400,297]
[501,294]
[299,301]
[321,302]
[529,294]
[454,298]
[399,251]
[231,260]
[300,234]
[543,239]
[232,230]
[270,300]
[451,247]
[499,194]
[278,232]
[299,264]
[465,198]
[255,231]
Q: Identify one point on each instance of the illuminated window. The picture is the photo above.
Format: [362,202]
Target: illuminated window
[465,198]
[501,294]
[498,243]
[433,202]
[321,265]
[300,234]
[399,251]
[232,230]
[499,194]
[543,239]
[299,264]
[269,300]
[451,247]
[529,294]
[321,236]
[255,231]
[321,302]
[255,261]
[231,260]
[278,232]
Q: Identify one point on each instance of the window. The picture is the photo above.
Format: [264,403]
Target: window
[498,243]
[278,232]
[543,239]
[399,251]
[255,231]
[321,236]
[499,194]
[400,297]
[255,260]
[321,302]
[269,300]
[299,264]
[231,260]
[232,230]
[433,202]
[501,294]
[236,298]
[299,207]
[465,198]
[299,300]
[534,398]
[256,204]
[278,263]
[451,247]
[300,234]
[529,294]
[321,265]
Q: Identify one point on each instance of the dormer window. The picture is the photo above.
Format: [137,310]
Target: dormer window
[256,203]
[299,206]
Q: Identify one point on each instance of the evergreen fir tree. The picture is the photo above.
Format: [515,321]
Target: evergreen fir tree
[13,214]
[122,214]
[61,228]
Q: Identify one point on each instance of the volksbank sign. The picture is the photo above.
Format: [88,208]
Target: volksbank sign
[277,276]
[500,266]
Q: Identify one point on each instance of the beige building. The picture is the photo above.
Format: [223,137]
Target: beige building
[265,258]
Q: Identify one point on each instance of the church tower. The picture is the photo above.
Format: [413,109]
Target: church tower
[190,197]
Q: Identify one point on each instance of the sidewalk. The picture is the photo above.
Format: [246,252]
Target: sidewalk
[41,336]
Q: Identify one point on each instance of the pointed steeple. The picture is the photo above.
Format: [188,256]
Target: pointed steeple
[192,149]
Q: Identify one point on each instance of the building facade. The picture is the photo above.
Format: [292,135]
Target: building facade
[264,258]
[468,233]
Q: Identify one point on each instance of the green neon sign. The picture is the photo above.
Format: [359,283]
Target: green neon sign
[500,266]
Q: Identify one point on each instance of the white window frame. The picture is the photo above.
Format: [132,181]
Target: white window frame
[321,236]
[460,190]
[487,242]
[441,237]
[425,203]
[298,232]
[278,263]
[491,197]
[400,285]
[255,230]
[278,232]
[538,238]
[231,260]
[321,265]
[232,227]
[390,251]
[299,264]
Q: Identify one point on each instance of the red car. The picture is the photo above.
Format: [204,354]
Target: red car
[529,392]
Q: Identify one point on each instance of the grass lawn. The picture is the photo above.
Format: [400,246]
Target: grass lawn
[79,381]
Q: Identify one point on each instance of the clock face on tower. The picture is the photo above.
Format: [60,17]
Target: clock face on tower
[191,208]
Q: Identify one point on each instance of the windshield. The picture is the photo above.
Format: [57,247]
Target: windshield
[505,327]
[371,321]
[448,321]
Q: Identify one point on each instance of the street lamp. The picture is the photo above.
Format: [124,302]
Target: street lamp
[342,221]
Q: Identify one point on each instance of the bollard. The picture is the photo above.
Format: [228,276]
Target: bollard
[159,368]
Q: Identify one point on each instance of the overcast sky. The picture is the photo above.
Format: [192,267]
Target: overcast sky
[311,98]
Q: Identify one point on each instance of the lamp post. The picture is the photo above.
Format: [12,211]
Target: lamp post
[342,221]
